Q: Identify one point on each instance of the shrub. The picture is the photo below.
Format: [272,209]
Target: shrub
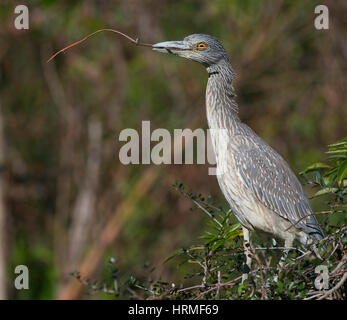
[218,259]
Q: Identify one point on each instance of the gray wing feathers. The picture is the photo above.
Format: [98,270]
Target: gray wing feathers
[270,178]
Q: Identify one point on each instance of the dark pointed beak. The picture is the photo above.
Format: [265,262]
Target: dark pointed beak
[174,47]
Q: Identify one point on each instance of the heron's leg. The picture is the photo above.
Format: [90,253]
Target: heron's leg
[248,259]
[288,243]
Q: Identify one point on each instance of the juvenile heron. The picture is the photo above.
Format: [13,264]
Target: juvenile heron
[261,189]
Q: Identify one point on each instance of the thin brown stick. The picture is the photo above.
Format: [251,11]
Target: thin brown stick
[255,256]
[135,41]
[340,283]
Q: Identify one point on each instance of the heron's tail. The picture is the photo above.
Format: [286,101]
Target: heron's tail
[315,232]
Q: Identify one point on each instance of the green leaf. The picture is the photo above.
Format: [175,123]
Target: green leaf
[280,286]
[174,254]
[331,179]
[218,244]
[340,150]
[338,143]
[208,235]
[315,166]
[325,191]
[316,177]
[193,261]
[337,157]
[342,172]
[235,226]
[329,172]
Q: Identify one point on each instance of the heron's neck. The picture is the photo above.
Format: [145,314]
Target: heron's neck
[221,107]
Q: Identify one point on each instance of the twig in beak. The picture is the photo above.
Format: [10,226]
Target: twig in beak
[136,42]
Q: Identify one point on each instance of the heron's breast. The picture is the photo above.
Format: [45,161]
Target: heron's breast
[251,213]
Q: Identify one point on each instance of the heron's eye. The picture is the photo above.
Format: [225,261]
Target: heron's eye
[202,46]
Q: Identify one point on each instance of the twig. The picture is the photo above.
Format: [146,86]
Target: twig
[263,293]
[280,248]
[302,256]
[146,289]
[191,288]
[209,214]
[135,41]
[204,267]
[340,265]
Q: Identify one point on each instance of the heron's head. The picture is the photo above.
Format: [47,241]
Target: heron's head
[197,47]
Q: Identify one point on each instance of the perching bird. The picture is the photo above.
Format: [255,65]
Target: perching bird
[261,189]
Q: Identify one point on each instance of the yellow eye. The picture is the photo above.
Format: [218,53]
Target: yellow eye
[202,46]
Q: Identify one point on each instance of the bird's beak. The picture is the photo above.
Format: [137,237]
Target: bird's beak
[174,47]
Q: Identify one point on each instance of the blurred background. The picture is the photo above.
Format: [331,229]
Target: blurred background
[66,201]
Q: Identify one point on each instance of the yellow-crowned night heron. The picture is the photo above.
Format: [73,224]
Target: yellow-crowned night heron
[261,189]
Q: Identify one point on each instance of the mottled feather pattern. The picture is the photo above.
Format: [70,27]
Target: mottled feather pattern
[257,182]
[269,177]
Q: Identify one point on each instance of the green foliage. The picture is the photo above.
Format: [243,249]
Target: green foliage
[217,260]
[331,177]
[330,181]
